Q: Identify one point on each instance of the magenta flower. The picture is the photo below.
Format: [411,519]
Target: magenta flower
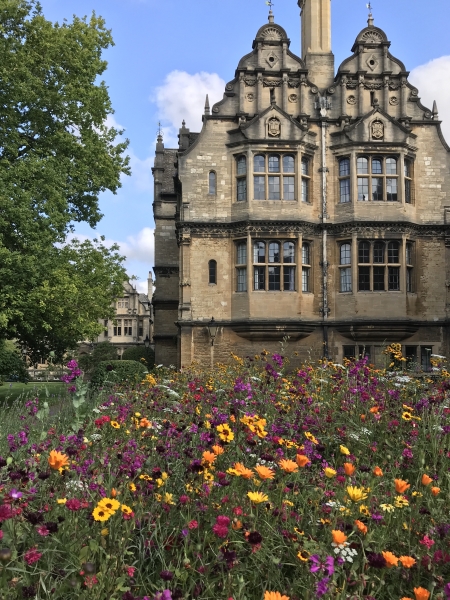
[32,555]
[15,494]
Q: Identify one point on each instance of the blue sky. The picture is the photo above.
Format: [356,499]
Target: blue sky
[169,53]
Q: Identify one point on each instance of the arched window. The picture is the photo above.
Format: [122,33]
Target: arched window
[274,163]
[274,252]
[288,164]
[212,267]
[212,182]
[259,252]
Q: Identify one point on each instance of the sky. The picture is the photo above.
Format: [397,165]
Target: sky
[169,54]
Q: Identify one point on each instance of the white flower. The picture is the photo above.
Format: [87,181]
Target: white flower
[438,356]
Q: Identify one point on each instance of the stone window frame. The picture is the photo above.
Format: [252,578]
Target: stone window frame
[306,254]
[345,267]
[283,277]
[128,327]
[241,178]
[212,272]
[377,269]
[241,254]
[123,302]
[345,178]
[410,255]
[117,329]
[380,173]
[212,183]
[267,174]
[408,185]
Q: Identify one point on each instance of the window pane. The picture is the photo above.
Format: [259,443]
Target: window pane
[305,279]
[289,188]
[346,257]
[212,182]
[378,279]
[241,165]
[364,252]
[241,190]
[274,163]
[212,271]
[305,166]
[394,278]
[364,279]
[391,166]
[346,280]
[289,279]
[377,188]
[344,167]
[410,354]
[425,355]
[306,259]
[393,252]
[274,252]
[242,253]
[349,352]
[408,169]
[408,187]
[409,280]
[409,259]
[378,252]
[289,252]
[274,278]
[377,166]
[363,188]
[288,164]
[305,190]
[260,187]
[259,163]
[362,165]
[274,188]
[391,189]
[259,252]
[259,278]
[241,279]
[344,190]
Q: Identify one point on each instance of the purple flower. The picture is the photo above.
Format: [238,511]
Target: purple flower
[322,587]
[15,494]
[447,591]
[165,595]
[327,565]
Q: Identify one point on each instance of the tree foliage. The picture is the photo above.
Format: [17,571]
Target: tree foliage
[56,156]
[11,363]
[141,354]
[103,351]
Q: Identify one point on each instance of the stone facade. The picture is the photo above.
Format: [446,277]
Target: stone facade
[313,204]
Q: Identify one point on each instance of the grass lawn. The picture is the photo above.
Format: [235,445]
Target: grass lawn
[10,391]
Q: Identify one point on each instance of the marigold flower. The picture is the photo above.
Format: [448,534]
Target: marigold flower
[356,494]
[302,460]
[56,460]
[274,596]
[145,423]
[377,472]
[391,559]
[406,598]
[288,466]
[329,472]
[114,493]
[217,450]
[109,504]
[349,469]
[209,457]
[407,561]
[339,537]
[426,480]
[374,410]
[435,490]
[236,524]
[257,497]
[360,525]
[421,593]
[264,472]
[401,486]
[344,450]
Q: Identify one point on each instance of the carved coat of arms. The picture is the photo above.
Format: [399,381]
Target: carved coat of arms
[377,130]
[274,128]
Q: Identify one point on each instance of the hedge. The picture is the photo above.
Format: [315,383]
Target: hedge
[118,371]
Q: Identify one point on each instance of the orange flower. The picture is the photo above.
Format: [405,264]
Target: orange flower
[217,450]
[145,423]
[349,469]
[274,596]
[114,493]
[401,486]
[435,490]
[288,466]
[374,410]
[421,593]
[56,460]
[426,480]
[360,525]
[406,598]
[236,524]
[377,472]
[209,457]
[407,561]
[302,460]
[391,559]
[363,417]
[264,472]
[338,537]
[243,471]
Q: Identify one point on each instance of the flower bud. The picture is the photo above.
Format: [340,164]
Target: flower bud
[5,555]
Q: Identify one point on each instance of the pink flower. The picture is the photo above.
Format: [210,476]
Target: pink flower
[89,582]
[73,504]
[42,530]
[1,534]
[223,521]
[426,541]
[130,571]
[183,499]
[237,511]
[193,524]
[5,513]
[220,530]
[32,555]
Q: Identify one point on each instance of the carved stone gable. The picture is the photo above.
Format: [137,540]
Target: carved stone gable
[271,34]
[371,37]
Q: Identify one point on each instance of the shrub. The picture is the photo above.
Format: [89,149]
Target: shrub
[12,366]
[140,354]
[118,371]
[103,351]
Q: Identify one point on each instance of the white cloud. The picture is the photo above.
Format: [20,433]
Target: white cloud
[433,82]
[182,97]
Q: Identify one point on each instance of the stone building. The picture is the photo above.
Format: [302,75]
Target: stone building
[313,204]
[134,319]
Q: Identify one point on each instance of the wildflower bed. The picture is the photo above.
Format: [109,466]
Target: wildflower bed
[240,483]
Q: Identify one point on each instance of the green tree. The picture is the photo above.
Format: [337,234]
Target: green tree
[11,363]
[103,351]
[56,156]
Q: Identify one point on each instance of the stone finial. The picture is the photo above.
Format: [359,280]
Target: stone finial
[370,19]
[207,107]
[271,17]
[435,111]
[159,139]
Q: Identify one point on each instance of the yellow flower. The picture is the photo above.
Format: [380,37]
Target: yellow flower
[137,414]
[288,466]
[168,498]
[257,497]
[115,424]
[207,425]
[329,472]
[225,433]
[344,450]
[407,416]
[387,508]
[311,438]
[101,514]
[131,487]
[126,509]
[364,510]
[104,532]
[109,504]
[303,555]
[356,494]
[401,502]
[61,500]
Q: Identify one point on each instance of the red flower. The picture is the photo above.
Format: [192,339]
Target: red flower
[220,530]
[193,524]
[32,555]
[73,504]
[5,513]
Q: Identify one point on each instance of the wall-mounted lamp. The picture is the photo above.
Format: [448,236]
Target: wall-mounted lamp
[212,328]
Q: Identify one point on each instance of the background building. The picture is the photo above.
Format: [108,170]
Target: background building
[313,204]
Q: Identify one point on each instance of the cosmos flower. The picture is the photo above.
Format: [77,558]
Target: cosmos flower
[101,514]
[109,504]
